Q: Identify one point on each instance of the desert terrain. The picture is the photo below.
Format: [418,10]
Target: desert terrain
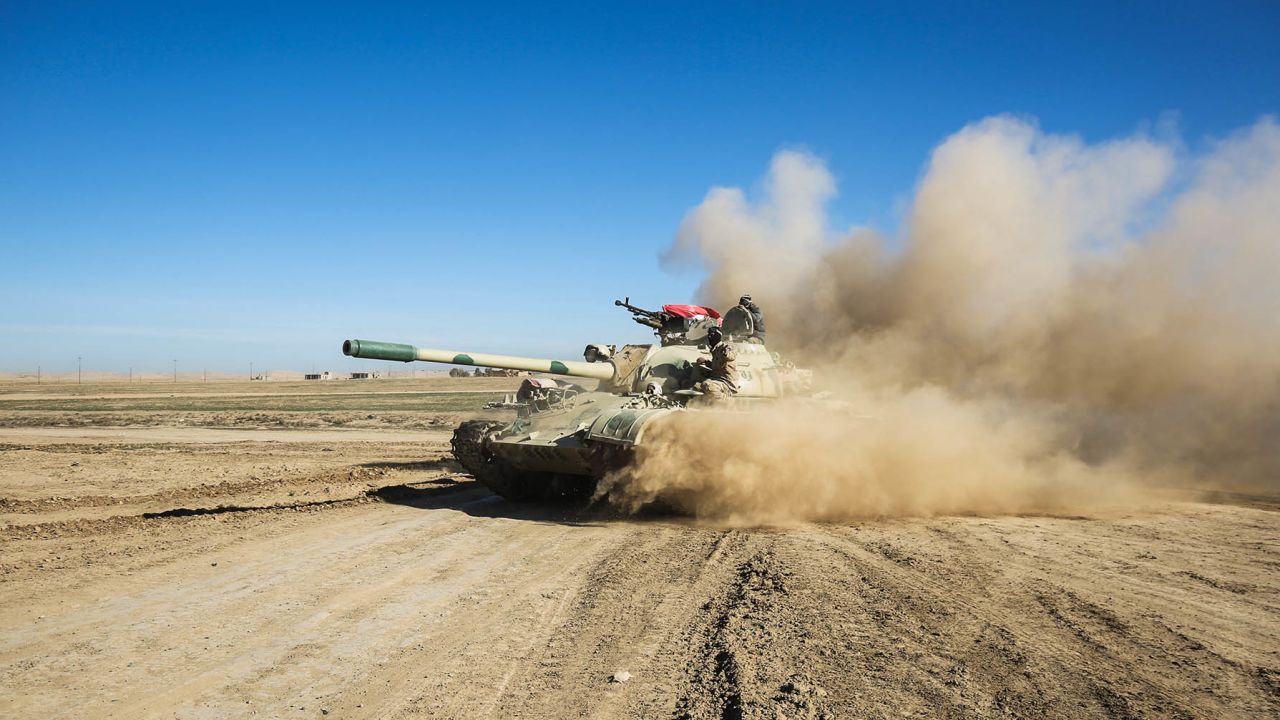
[236,549]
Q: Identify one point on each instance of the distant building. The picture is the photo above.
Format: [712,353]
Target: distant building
[318,376]
[486,372]
[499,372]
[365,375]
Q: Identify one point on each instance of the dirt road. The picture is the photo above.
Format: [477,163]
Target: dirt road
[111,435]
[364,576]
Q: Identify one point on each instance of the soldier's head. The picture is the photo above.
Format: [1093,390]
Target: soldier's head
[714,336]
[744,300]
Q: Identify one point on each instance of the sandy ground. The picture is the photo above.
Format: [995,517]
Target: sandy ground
[149,569]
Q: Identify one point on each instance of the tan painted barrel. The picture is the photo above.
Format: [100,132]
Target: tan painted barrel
[405,353]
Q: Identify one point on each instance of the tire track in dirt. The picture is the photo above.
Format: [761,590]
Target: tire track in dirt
[250,607]
[41,436]
[636,612]
[1065,646]
[433,604]
[425,597]
[343,489]
[208,491]
[732,673]
[945,618]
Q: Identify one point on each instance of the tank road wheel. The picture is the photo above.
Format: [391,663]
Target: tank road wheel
[493,472]
[468,445]
[571,487]
[515,484]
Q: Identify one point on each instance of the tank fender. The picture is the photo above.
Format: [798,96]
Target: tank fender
[624,426]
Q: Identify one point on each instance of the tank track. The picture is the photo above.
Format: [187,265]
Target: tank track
[468,445]
[469,450]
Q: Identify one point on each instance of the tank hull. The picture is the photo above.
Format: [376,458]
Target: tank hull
[556,452]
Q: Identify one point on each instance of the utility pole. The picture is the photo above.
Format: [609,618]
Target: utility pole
[250,370]
[205,375]
[78,359]
[175,370]
[37,374]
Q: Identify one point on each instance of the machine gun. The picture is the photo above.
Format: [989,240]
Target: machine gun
[674,324]
[655,319]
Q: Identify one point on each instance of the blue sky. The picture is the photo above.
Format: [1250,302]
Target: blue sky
[223,183]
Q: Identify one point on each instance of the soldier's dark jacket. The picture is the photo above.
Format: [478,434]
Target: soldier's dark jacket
[757,320]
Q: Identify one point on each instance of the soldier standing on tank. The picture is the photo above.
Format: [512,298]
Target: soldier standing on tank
[720,373]
[757,319]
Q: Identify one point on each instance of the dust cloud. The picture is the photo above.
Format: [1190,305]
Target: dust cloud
[1058,326]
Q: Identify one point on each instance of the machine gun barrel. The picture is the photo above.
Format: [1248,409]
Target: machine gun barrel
[376,350]
[652,318]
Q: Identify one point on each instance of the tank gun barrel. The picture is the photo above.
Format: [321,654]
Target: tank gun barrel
[375,350]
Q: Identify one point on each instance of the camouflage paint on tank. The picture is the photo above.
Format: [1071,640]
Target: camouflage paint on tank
[396,351]
[570,430]
[376,350]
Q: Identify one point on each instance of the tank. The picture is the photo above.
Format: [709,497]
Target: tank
[567,435]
